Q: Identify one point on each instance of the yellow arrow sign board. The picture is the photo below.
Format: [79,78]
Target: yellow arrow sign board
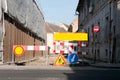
[60,61]
[71,36]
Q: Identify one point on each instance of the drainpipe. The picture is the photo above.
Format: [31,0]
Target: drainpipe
[109,56]
[2,36]
[3,9]
[112,42]
[114,37]
[1,33]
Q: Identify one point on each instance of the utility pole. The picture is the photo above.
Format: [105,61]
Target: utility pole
[96,30]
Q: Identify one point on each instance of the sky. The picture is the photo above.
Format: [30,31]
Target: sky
[58,11]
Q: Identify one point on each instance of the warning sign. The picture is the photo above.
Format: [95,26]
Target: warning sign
[60,61]
[18,50]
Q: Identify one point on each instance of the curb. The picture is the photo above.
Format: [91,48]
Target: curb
[105,66]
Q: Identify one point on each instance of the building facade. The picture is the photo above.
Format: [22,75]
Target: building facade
[74,26]
[104,45]
[50,30]
[63,25]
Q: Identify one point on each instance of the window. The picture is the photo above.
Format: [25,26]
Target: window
[98,51]
[106,52]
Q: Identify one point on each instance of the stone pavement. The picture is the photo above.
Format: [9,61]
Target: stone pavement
[15,67]
[44,61]
[47,62]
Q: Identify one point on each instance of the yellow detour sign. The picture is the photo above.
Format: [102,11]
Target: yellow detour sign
[60,61]
[18,50]
[70,36]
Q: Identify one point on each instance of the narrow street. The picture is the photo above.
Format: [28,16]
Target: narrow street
[42,74]
[59,40]
[39,70]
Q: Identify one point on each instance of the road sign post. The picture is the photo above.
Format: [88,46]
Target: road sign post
[96,29]
[70,36]
[60,61]
[18,50]
[73,58]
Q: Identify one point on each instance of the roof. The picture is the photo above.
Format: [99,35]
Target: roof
[65,26]
[51,28]
[28,15]
[79,5]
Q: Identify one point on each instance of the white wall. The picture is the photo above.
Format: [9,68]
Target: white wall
[50,41]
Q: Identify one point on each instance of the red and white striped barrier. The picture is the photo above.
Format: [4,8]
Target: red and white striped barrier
[60,51]
[82,45]
[31,47]
[59,47]
[82,53]
[71,48]
[64,47]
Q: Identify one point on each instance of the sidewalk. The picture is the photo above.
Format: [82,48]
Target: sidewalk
[47,63]
[15,67]
[105,65]
[43,61]
[99,64]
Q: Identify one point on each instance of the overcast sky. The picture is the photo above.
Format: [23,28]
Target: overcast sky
[57,11]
